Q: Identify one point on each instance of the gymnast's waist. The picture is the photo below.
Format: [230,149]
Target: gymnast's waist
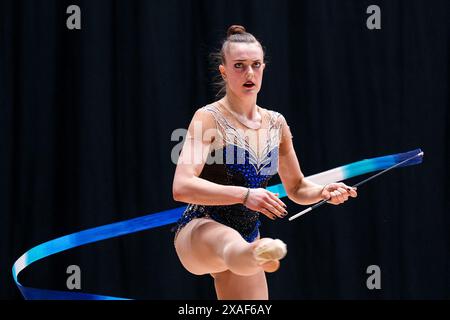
[237,210]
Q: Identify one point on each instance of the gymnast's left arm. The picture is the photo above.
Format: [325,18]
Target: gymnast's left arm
[298,188]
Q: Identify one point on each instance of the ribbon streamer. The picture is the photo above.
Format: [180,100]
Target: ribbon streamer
[166,217]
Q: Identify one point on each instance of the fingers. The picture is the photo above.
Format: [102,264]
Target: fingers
[336,197]
[352,192]
[274,196]
[341,193]
[268,213]
[275,208]
[277,203]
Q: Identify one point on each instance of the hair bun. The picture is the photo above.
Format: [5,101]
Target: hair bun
[235,29]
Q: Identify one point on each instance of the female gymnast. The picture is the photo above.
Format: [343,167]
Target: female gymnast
[232,148]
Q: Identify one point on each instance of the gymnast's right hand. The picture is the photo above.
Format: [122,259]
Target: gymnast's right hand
[266,202]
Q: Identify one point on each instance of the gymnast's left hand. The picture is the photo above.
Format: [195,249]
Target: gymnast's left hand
[338,193]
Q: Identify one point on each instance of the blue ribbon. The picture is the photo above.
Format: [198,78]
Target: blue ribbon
[154,220]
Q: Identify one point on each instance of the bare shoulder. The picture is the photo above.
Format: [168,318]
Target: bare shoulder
[206,116]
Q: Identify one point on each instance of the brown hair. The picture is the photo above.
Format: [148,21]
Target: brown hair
[235,34]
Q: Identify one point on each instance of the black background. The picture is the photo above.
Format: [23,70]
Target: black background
[86,118]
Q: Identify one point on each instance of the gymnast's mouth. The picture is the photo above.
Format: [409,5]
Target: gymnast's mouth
[249,84]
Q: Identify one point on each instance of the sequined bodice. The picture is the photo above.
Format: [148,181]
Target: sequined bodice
[240,157]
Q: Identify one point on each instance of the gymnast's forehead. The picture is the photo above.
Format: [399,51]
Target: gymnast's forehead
[244,52]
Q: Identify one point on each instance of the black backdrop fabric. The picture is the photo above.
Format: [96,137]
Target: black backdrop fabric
[86,118]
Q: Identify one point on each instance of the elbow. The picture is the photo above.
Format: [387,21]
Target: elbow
[182,189]
[298,200]
[291,197]
[179,191]
[177,194]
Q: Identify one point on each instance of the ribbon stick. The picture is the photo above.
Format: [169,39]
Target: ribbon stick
[166,217]
[410,159]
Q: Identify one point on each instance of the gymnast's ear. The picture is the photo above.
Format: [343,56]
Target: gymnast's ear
[222,71]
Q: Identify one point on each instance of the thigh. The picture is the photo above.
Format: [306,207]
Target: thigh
[199,245]
[230,286]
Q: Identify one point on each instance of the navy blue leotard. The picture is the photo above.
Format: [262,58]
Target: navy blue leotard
[234,160]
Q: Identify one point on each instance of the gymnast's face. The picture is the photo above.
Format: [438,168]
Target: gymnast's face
[243,68]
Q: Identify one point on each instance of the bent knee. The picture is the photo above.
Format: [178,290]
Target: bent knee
[189,262]
[195,254]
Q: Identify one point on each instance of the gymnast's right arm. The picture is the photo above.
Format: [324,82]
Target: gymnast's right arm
[187,185]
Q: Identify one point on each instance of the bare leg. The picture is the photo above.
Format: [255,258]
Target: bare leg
[230,286]
[206,246]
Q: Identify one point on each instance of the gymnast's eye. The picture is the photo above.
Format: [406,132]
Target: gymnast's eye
[238,65]
[257,64]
